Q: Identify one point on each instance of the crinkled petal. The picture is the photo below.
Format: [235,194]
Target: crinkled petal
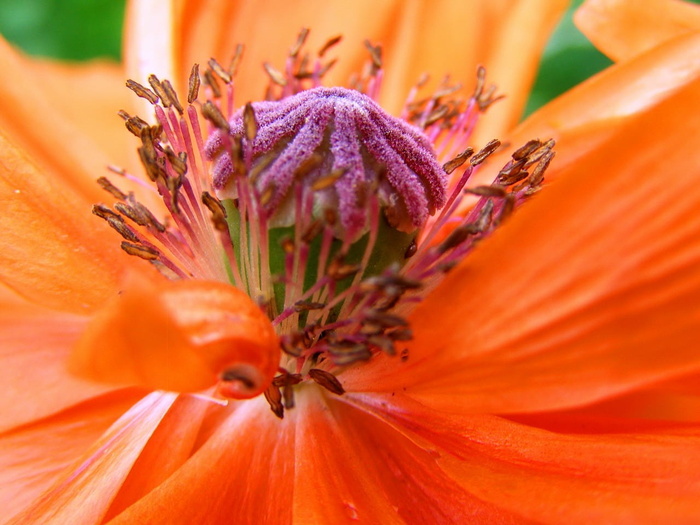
[182,336]
[33,456]
[588,292]
[244,470]
[52,251]
[622,29]
[85,491]
[641,472]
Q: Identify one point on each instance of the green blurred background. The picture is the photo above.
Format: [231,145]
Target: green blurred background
[84,29]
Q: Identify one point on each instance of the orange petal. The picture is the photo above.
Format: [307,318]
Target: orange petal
[85,491]
[53,251]
[57,145]
[88,95]
[352,467]
[677,399]
[623,29]
[589,291]
[244,471]
[588,115]
[36,343]
[168,448]
[522,30]
[182,336]
[33,456]
[647,474]
[439,37]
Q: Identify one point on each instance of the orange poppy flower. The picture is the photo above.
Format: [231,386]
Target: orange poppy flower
[552,375]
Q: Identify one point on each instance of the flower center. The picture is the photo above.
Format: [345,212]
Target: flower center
[333,215]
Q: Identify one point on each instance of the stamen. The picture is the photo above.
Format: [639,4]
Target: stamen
[335,217]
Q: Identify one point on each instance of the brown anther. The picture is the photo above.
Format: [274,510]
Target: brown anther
[236,60]
[329,44]
[484,99]
[273,396]
[275,75]
[506,210]
[213,114]
[303,70]
[312,231]
[484,219]
[103,211]
[210,80]
[301,40]
[401,334]
[485,152]
[118,224]
[142,91]
[385,320]
[132,213]
[330,217]
[512,173]
[135,125]
[218,212]
[339,270]
[266,195]
[178,162]
[110,188]
[174,184]
[383,342]
[305,306]
[219,70]
[160,91]
[308,336]
[288,396]
[327,380]
[144,252]
[436,115]
[285,378]
[488,191]
[537,175]
[193,84]
[527,149]
[404,355]
[287,245]
[457,237]
[327,180]
[250,123]
[152,169]
[460,159]
[326,67]
[342,356]
[375,53]
[172,95]
[379,282]
[145,212]
[148,144]
[291,344]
